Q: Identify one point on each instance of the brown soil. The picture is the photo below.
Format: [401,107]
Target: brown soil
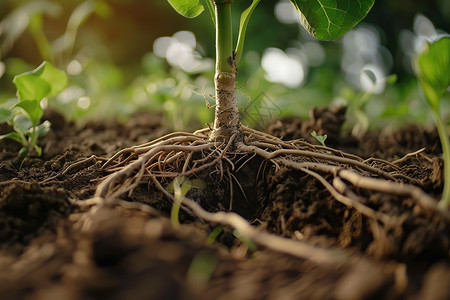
[124,252]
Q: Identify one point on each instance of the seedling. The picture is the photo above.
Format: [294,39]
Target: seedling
[320,138]
[324,19]
[214,234]
[251,246]
[432,67]
[24,113]
[201,269]
[180,186]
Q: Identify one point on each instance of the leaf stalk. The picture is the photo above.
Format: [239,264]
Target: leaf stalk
[445,143]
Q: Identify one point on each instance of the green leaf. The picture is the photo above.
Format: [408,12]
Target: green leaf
[38,149]
[210,5]
[187,8]
[330,19]
[23,153]
[320,138]
[30,87]
[43,129]
[392,79]
[44,81]
[22,123]
[32,108]
[214,234]
[35,85]
[247,241]
[12,136]
[432,67]
[5,114]
[56,78]
[245,17]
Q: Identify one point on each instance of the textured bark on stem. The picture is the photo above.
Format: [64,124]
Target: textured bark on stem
[227,120]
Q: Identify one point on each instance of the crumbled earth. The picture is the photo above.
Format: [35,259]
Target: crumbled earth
[51,248]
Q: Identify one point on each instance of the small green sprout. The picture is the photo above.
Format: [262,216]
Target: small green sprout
[180,186]
[214,234]
[24,113]
[432,68]
[320,138]
[201,269]
[251,246]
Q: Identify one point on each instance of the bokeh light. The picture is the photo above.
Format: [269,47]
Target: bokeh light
[372,79]
[285,13]
[412,41]
[363,53]
[180,51]
[74,68]
[84,102]
[283,67]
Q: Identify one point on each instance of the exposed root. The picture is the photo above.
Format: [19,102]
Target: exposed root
[322,256]
[264,239]
[72,166]
[186,154]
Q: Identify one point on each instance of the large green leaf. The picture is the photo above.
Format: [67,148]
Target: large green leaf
[330,19]
[187,8]
[432,67]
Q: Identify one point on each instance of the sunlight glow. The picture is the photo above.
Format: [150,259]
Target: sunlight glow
[372,79]
[286,13]
[44,103]
[84,102]
[180,51]
[72,93]
[74,67]
[283,68]
[365,62]
[412,41]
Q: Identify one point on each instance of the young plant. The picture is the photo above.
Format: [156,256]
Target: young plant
[432,67]
[24,114]
[180,186]
[324,19]
[320,138]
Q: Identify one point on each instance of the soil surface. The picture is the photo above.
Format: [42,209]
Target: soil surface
[51,247]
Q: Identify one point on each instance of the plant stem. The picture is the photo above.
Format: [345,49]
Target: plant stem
[175,211]
[445,143]
[227,120]
[224,37]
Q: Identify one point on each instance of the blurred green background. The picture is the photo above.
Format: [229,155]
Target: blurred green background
[124,56]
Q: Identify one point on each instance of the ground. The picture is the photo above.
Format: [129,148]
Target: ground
[53,247]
